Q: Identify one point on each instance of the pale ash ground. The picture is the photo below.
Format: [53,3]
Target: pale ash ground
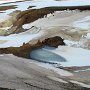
[25,74]
[19,73]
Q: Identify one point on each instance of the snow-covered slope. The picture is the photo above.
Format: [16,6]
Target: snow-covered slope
[61,3]
[7,1]
[84,23]
[62,19]
[74,56]
[16,40]
[49,3]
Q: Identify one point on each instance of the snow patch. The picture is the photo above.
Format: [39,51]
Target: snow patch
[83,70]
[71,43]
[74,56]
[16,40]
[56,70]
[80,83]
[7,1]
[84,23]
[57,79]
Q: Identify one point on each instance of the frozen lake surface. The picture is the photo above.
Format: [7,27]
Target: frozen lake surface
[43,55]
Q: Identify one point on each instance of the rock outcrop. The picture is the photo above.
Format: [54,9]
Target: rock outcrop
[25,49]
[54,41]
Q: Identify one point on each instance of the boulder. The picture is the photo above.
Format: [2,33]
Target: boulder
[54,41]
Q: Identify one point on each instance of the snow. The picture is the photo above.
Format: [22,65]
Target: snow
[61,72]
[26,26]
[80,83]
[7,1]
[84,23]
[60,3]
[58,18]
[1,55]
[83,70]
[47,3]
[40,4]
[71,43]
[88,36]
[74,56]
[16,40]
[43,0]
[57,79]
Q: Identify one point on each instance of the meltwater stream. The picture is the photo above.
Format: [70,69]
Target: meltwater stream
[46,56]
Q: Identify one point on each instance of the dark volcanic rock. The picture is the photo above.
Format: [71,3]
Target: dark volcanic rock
[54,41]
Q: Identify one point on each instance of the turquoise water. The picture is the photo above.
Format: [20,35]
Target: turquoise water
[43,55]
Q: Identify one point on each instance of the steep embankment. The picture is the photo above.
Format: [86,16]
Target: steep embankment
[25,49]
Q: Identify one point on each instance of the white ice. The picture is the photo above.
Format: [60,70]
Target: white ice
[74,56]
